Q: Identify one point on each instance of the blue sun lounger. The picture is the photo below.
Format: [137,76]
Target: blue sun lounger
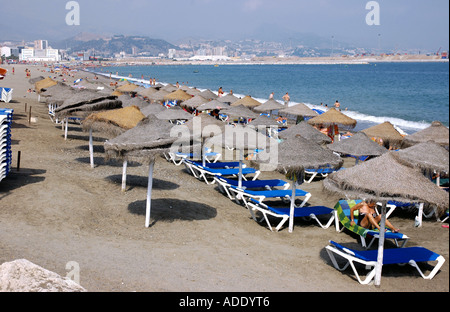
[312,212]
[410,255]
[225,184]
[204,172]
[260,196]
[323,172]
[342,214]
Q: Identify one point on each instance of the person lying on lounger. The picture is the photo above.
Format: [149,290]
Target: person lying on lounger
[368,218]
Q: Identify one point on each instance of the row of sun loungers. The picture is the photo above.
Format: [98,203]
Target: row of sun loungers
[5,142]
[254,193]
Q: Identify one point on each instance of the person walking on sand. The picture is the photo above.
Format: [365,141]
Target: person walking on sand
[286,99]
[271,95]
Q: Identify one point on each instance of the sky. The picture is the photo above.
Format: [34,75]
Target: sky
[403,24]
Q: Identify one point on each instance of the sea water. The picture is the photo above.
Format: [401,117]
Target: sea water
[409,95]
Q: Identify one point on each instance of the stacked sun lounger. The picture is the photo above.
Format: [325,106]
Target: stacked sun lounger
[5,142]
[6,94]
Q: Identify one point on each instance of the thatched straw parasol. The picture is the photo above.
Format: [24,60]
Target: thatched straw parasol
[147,92]
[427,156]
[307,131]
[301,110]
[358,145]
[85,100]
[127,88]
[169,88]
[247,101]
[437,132]
[35,79]
[143,143]
[333,117]
[383,179]
[269,106]
[57,93]
[229,99]
[192,91]
[239,111]
[175,113]
[158,96]
[212,105]
[194,102]
[264,121]
[209,95]
[385,132]
[296,154]
[116,93]
[44,84]
[178,95]
[113,122]
[132,101]
[152,109]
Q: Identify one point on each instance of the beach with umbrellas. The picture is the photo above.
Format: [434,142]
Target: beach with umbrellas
[112,176]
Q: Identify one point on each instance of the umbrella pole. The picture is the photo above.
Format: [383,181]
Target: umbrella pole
[379,265]
[291,212]
[91,149]
[240,169]
[420,215]
[149,195]
[124,175]
[66,129]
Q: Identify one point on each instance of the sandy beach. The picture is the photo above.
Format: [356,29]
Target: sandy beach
[56,209]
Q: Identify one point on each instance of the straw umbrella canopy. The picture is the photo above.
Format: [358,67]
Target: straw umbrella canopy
[437,132]
[132,101]
[127,88]
[269,106]
[428,156]
[382,179]
[147,92]
[44,84]
[175,113]
[209,95]
[212,105]
[264,121]
[296,154]
[58,93]
[192,91]
[358,145]
[194,102]
[143,143]
[307,131]
[299,110]
[239,111]
[333,117]
[229,98]
[152,109]
[112,122]
[158,96]
[35,79]
[247,101]
[178,95]
[386,132]
[169,88]
[241,138]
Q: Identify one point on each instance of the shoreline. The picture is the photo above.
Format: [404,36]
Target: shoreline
[56,210]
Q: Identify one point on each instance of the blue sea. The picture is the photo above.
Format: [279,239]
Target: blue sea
[409,95]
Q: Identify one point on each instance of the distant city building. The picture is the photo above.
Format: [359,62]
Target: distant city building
[172,53]
[39,55]
[5,51]
[41,45]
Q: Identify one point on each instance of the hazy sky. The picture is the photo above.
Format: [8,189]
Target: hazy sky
[404,24]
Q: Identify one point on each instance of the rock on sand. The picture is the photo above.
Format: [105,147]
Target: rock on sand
[25,276]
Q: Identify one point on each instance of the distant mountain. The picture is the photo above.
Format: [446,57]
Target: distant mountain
[108,46]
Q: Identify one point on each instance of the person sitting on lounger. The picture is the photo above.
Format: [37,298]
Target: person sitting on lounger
[368,217]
